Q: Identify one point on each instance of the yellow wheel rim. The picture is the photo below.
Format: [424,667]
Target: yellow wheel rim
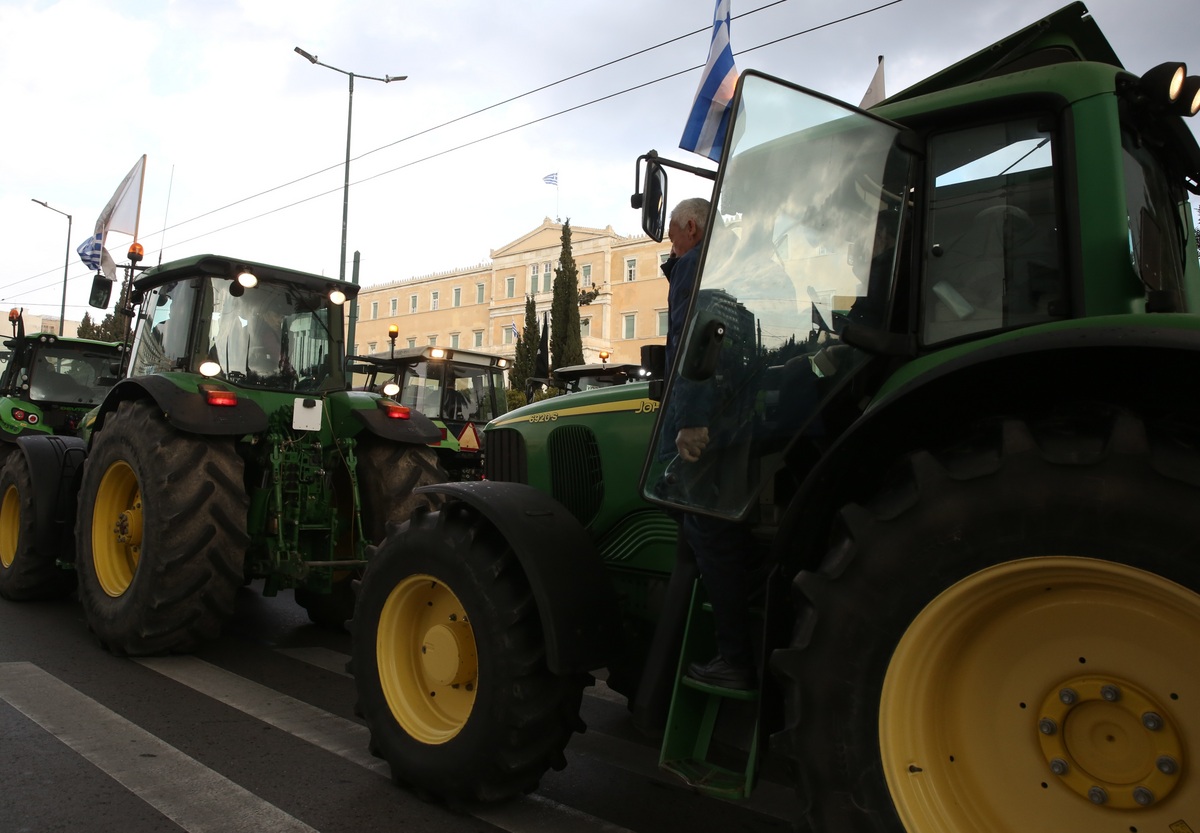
[1046,694]
[117,528]
[10,525]
[428,664]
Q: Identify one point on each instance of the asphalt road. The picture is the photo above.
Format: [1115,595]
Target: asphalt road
[256,732]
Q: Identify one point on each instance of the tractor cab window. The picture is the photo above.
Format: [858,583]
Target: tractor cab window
[163,337]
[71,375]
[1159,222]
[271,336]
[802,244]
[421,388]
[991,256]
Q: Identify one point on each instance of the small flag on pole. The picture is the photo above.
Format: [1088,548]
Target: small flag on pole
[704,132]
[550,179]
[874,93]
[89,251]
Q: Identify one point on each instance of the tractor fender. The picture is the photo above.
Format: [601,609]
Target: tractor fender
[576,602]
[417,428]
[187,410]
[1112,363]
[55,470]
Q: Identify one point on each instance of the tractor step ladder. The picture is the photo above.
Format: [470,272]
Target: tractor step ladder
[687,747]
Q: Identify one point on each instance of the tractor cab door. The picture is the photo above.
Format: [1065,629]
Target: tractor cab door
[799,257]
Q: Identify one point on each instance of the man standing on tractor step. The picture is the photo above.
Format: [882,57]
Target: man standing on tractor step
[721,547]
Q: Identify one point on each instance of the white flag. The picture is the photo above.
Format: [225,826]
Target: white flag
[121,215]
[874,93]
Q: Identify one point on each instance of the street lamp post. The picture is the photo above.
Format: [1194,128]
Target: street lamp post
[62,311]
[387,79]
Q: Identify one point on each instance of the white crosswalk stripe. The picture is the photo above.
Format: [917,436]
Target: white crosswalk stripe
[190,794]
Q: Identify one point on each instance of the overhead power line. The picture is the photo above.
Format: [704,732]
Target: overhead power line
[480,139]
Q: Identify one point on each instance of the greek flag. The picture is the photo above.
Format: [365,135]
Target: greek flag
[89,251]
[550,179]
[704,132]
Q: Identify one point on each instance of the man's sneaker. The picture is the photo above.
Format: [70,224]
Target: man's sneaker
[720,673]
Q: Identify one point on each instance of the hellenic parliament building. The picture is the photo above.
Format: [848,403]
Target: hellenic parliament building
[477,308]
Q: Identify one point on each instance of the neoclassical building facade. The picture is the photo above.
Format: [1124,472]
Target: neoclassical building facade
[483,307]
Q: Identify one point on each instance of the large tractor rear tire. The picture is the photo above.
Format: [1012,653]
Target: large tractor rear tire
[1005,640]
[25,573]
[160,534]
[387,475]
[450,665]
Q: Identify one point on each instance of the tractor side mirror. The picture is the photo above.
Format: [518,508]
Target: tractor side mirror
[650,195]
[101,292]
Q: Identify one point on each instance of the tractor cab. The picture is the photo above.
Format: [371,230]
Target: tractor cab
[247,324]
[844,245]
[460,390]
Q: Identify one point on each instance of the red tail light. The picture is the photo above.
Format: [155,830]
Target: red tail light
[394,410]
[218,397]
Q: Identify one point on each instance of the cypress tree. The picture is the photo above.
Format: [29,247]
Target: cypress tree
[566,344]
[523,361]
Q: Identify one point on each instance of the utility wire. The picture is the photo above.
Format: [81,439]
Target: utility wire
[488,136]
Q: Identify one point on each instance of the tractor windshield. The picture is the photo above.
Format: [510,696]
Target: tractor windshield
[803,242]
[450,390]
[71,373]
[273,336]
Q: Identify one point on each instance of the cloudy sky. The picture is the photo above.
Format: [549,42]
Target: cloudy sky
[245,140]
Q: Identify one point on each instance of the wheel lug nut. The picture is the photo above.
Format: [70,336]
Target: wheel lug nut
[1097,795]
[1143,796]
[1152,721]
[1047,726]
[1110,693]
[1068,696]
[1059,767]
[1167,765]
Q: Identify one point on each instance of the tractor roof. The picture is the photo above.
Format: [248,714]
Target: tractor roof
[219,266]
[1068,35]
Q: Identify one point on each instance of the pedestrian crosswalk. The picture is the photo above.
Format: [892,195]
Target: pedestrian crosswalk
[198,799]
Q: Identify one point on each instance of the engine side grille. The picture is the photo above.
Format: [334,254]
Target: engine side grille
[504,458]
[576,477]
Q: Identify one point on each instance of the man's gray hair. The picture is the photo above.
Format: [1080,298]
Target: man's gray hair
[694,208]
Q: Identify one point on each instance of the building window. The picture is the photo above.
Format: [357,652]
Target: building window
[585,274]
[533,278]
[508,335]
[545,277]
[630,325]
[510,286]
[458,296]
[412,342]
[356,349]
[412,303]
[370,347]
[585,327]
[433,299]
[663,257]
[631,269]
[478,338]
[479,293]
[663,322]
[374,309]
[433,341]
[454,341]
[394,303]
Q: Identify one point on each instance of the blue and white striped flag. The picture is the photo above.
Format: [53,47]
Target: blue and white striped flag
[550,179]
[704,132]
[89,251]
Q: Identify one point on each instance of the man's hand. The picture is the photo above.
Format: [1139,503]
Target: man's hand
[690,442]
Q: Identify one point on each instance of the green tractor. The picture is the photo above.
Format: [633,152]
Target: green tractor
[47,386]
[945,347]
[460,390]
[231,451]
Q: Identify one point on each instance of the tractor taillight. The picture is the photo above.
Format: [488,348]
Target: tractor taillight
[218,397]
[18,415]
[394,410]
